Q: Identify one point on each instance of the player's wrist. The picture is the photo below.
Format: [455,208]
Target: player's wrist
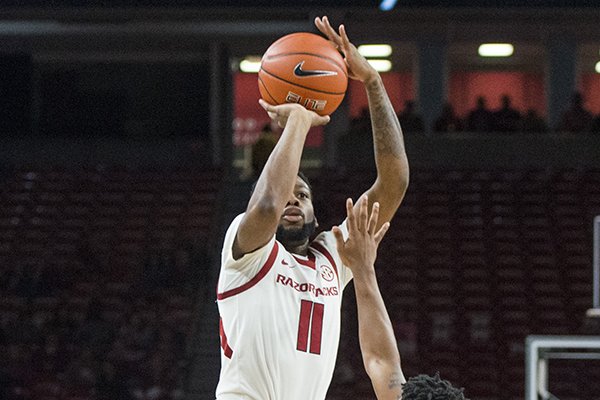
[364,272]
[372,79]
[301,117]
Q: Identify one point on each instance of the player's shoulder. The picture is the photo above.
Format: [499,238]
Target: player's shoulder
[325,240]
[327,236]
[322,236]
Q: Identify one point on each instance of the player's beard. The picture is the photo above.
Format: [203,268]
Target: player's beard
[295,235]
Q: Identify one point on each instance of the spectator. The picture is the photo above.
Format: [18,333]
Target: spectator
[576,118]
[262,148]
[357,143]
[409,119]
[448,121]
[533,122]
[506,119]
[480,119]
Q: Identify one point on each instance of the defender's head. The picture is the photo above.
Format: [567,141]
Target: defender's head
[425,387]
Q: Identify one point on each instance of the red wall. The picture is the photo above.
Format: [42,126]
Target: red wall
[249,116]
[590,89]
[525,89]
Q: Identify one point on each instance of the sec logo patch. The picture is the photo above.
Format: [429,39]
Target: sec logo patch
[327,273]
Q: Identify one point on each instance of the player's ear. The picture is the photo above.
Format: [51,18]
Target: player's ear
[316,222]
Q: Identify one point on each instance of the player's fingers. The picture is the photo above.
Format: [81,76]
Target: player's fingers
[326,29]
[321,26]
[274,116]
[350,216]
[381,232]
[327,26]
[319,23]
[346,45]
[373,218]
[265,105]
[321,120]
[343,35]
[330,32]
[363,213]
[339,238]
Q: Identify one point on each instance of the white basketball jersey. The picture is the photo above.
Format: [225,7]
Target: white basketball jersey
[280,320]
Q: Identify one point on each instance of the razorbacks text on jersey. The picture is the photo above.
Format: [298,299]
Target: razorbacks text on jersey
[280,319]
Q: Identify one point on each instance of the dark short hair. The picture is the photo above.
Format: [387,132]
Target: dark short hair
[425,387]
[300,174]
[305,179]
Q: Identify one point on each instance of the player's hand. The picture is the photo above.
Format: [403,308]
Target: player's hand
[281,113]
[358,66]
[360,250]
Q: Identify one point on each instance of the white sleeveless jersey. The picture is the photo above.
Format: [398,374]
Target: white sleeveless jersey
[280,319]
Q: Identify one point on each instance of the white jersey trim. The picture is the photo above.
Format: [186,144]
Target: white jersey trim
[261,274]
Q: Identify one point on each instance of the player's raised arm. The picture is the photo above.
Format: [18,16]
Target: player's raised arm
[376,335]
[390,155]
[276,182]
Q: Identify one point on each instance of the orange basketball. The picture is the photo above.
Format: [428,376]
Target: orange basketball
[303,68]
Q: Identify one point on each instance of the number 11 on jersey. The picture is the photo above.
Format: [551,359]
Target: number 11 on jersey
[311,321]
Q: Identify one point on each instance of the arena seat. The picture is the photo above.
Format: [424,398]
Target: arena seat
[74,246]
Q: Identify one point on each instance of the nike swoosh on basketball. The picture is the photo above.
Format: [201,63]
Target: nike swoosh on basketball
[299,72]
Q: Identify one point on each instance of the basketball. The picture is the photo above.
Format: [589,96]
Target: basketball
[303,68]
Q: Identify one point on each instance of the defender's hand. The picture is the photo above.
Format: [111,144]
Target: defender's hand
[358,66]
[360,250]
[282,112]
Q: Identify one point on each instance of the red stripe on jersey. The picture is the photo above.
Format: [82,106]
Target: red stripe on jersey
[228,351]
[304,325]
[261,274]
[316,328]
[310,263]
[321,249]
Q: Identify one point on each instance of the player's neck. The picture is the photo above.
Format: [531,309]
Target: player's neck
[298,248]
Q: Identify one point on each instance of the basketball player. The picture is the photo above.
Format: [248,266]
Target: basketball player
[279,293]
[358,250]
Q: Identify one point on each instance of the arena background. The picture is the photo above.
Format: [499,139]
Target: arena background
[126,131]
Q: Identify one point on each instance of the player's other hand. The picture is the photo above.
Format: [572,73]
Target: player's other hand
[359,251]
[358,66]
[282,112]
